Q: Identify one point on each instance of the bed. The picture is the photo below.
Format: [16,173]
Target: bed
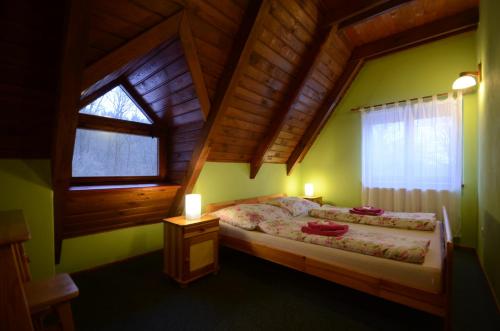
[426,287]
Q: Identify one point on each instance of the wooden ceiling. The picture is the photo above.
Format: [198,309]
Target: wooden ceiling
[227,80]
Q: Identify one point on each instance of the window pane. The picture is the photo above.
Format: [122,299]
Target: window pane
[116,104]
[101,153]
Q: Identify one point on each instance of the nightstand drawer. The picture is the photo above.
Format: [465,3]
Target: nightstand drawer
[200,228]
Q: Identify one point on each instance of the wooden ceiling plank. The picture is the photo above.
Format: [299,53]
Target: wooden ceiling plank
[193,61]
[379,8]
[132,50]
[442,28]
[245,41]
[70,80]
[350,71]
[309,63]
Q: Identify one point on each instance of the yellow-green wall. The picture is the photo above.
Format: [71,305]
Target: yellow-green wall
[25,185]
[90,251]
[334,162]
[489,140]
[227,181]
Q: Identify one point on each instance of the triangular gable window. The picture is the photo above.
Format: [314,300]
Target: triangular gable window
[116,104]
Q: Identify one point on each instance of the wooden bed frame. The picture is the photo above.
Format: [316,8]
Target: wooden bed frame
[434,303]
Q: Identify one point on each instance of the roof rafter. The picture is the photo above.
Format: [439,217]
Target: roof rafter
[193,62]
[354,15]
[443,28]
[309,63]
[351,69]
[116,63]
[70,80]
[439,29]
[250,31]
[136,97]
[350,17]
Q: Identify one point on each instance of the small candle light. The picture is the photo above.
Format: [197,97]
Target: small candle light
[193,206]
[309,189]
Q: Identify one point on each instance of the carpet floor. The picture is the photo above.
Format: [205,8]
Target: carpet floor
[253,294]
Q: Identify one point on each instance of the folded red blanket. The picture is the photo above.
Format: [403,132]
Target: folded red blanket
[370,211]
[326,227]
[329,233]
[367,209]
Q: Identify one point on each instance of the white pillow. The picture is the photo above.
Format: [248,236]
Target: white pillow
[248,216]
[295,205]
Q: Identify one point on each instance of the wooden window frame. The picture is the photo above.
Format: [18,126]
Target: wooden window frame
[101,123]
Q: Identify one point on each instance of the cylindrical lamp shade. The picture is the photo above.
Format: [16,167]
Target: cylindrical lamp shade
[309,189]
[193,206]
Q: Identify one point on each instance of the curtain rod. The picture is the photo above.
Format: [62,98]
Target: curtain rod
[359,109]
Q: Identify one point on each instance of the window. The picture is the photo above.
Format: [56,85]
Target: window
[116,104]
[413,146]
[112,154]
[107,148]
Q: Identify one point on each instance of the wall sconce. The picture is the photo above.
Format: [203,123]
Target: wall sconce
[193,206]
[309,189]
[467,79]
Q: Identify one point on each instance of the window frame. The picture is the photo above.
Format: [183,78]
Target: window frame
[100,123]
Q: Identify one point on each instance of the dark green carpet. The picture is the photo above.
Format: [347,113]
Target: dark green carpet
[252,294]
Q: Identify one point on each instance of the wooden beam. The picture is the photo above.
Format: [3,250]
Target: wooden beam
[366,12]
[86,121]
[136,97]
[439,29]
[250,31]
[70,79]
[132,50]
[351,69]
[191,55]
[443,28]
[309,62]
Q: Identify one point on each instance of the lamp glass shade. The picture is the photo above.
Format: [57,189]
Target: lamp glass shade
[464,82]
[193,206]
[309,189]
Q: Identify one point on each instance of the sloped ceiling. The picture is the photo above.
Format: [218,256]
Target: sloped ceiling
[301,55]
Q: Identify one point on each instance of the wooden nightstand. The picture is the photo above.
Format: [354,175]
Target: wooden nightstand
[314,198]
[191,247]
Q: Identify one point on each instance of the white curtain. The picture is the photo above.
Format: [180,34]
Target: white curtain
[412,157]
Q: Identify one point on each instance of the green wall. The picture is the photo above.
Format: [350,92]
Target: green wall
[489,139]
[25,185]
[90,251]
[227,181]
[334,162]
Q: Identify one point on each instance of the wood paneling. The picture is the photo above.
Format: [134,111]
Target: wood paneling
[100,209]
[114,22]
[274,63]
[165,83]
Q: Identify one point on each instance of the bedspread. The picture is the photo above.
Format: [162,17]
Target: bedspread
[355,240]
[411,221]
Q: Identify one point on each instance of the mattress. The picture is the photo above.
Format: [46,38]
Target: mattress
[426,277]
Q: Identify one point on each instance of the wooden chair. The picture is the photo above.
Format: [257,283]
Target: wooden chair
[23,301]
[52,295]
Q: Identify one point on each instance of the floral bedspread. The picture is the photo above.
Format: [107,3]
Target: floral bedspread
[411,221]
[355,240]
